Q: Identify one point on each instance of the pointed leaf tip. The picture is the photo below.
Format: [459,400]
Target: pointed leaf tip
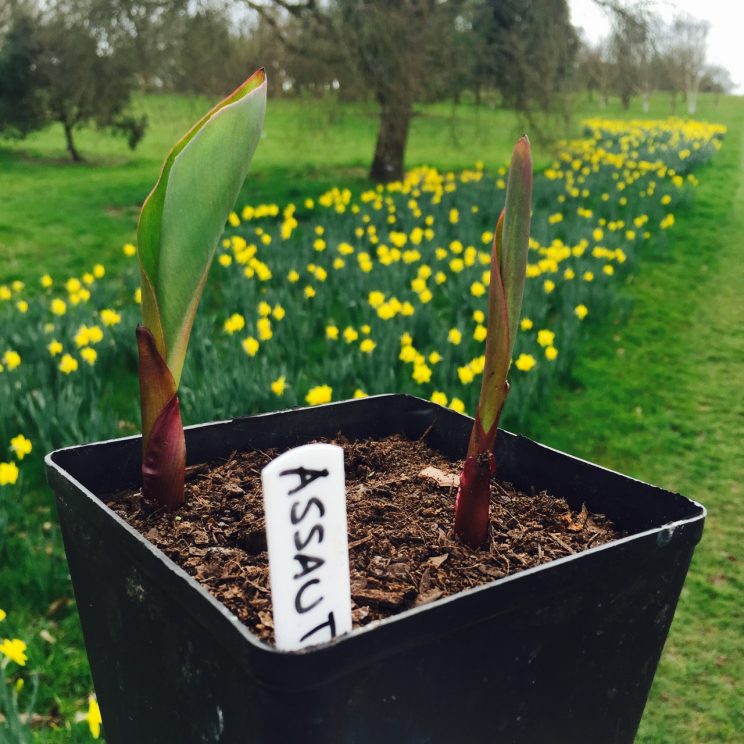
[516,231]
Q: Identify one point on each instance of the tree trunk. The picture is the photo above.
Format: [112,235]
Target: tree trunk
[395,121]
[645,103]
[74,154]
[692,100]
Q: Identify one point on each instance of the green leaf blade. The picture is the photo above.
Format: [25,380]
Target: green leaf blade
[178,233]
[497,353]
[516,235]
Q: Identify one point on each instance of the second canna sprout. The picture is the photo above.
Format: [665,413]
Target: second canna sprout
[508,268]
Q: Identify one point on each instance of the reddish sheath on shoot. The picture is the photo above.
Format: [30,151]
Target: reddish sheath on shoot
[508,267]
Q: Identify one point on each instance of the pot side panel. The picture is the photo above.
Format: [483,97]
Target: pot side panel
[563,653]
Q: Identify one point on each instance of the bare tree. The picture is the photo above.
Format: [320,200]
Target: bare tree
[594,71]
[686,53]
[717,80]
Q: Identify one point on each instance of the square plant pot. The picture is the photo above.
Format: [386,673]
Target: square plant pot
[564,652]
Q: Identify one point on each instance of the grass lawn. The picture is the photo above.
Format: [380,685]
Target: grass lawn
[656,393]
[666,371]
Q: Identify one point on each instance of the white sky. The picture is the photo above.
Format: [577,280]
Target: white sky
[725,40]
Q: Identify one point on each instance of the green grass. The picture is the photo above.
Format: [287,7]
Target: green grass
[655,394]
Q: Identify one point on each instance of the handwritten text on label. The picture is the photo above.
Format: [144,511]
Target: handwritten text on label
[306,532]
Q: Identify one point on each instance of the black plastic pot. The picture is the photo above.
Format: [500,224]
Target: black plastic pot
[565,652]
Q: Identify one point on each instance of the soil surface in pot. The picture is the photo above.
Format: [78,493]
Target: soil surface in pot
[401,545]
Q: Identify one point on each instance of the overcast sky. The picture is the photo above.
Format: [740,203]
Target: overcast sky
[725,38]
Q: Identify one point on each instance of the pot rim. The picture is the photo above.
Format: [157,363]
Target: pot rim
[665,533]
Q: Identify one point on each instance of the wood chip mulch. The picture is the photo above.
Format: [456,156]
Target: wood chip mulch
[402,550]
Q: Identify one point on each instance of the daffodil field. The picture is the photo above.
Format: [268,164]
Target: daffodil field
[344,296]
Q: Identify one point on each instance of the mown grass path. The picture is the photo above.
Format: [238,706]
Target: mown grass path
[666,381]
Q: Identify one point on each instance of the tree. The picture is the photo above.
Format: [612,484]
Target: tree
[149,33]
[395,47]
[629,43]
[84,83]
[593,70]
[527,50]
[686,56]
[716,79]
[61,67]
[21,103]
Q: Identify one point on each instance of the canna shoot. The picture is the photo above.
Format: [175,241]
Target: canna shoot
[179,226]
[508,267]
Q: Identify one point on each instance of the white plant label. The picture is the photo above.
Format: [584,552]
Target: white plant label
[306,532]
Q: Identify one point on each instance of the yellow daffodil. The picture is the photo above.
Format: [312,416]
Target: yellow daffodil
[421,373]
[350,335]
[319,394]
[21,446]
[8,473]
[11,359]
[235,323]
[457,405]
[465,374]
[439,398]
[545,337]
[15,650]
[58,306]
[109,317]
[250,346]
[93,717]
[68,364]
[525,362]
[88,355]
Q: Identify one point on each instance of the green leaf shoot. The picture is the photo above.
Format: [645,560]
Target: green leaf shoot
[179,227]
